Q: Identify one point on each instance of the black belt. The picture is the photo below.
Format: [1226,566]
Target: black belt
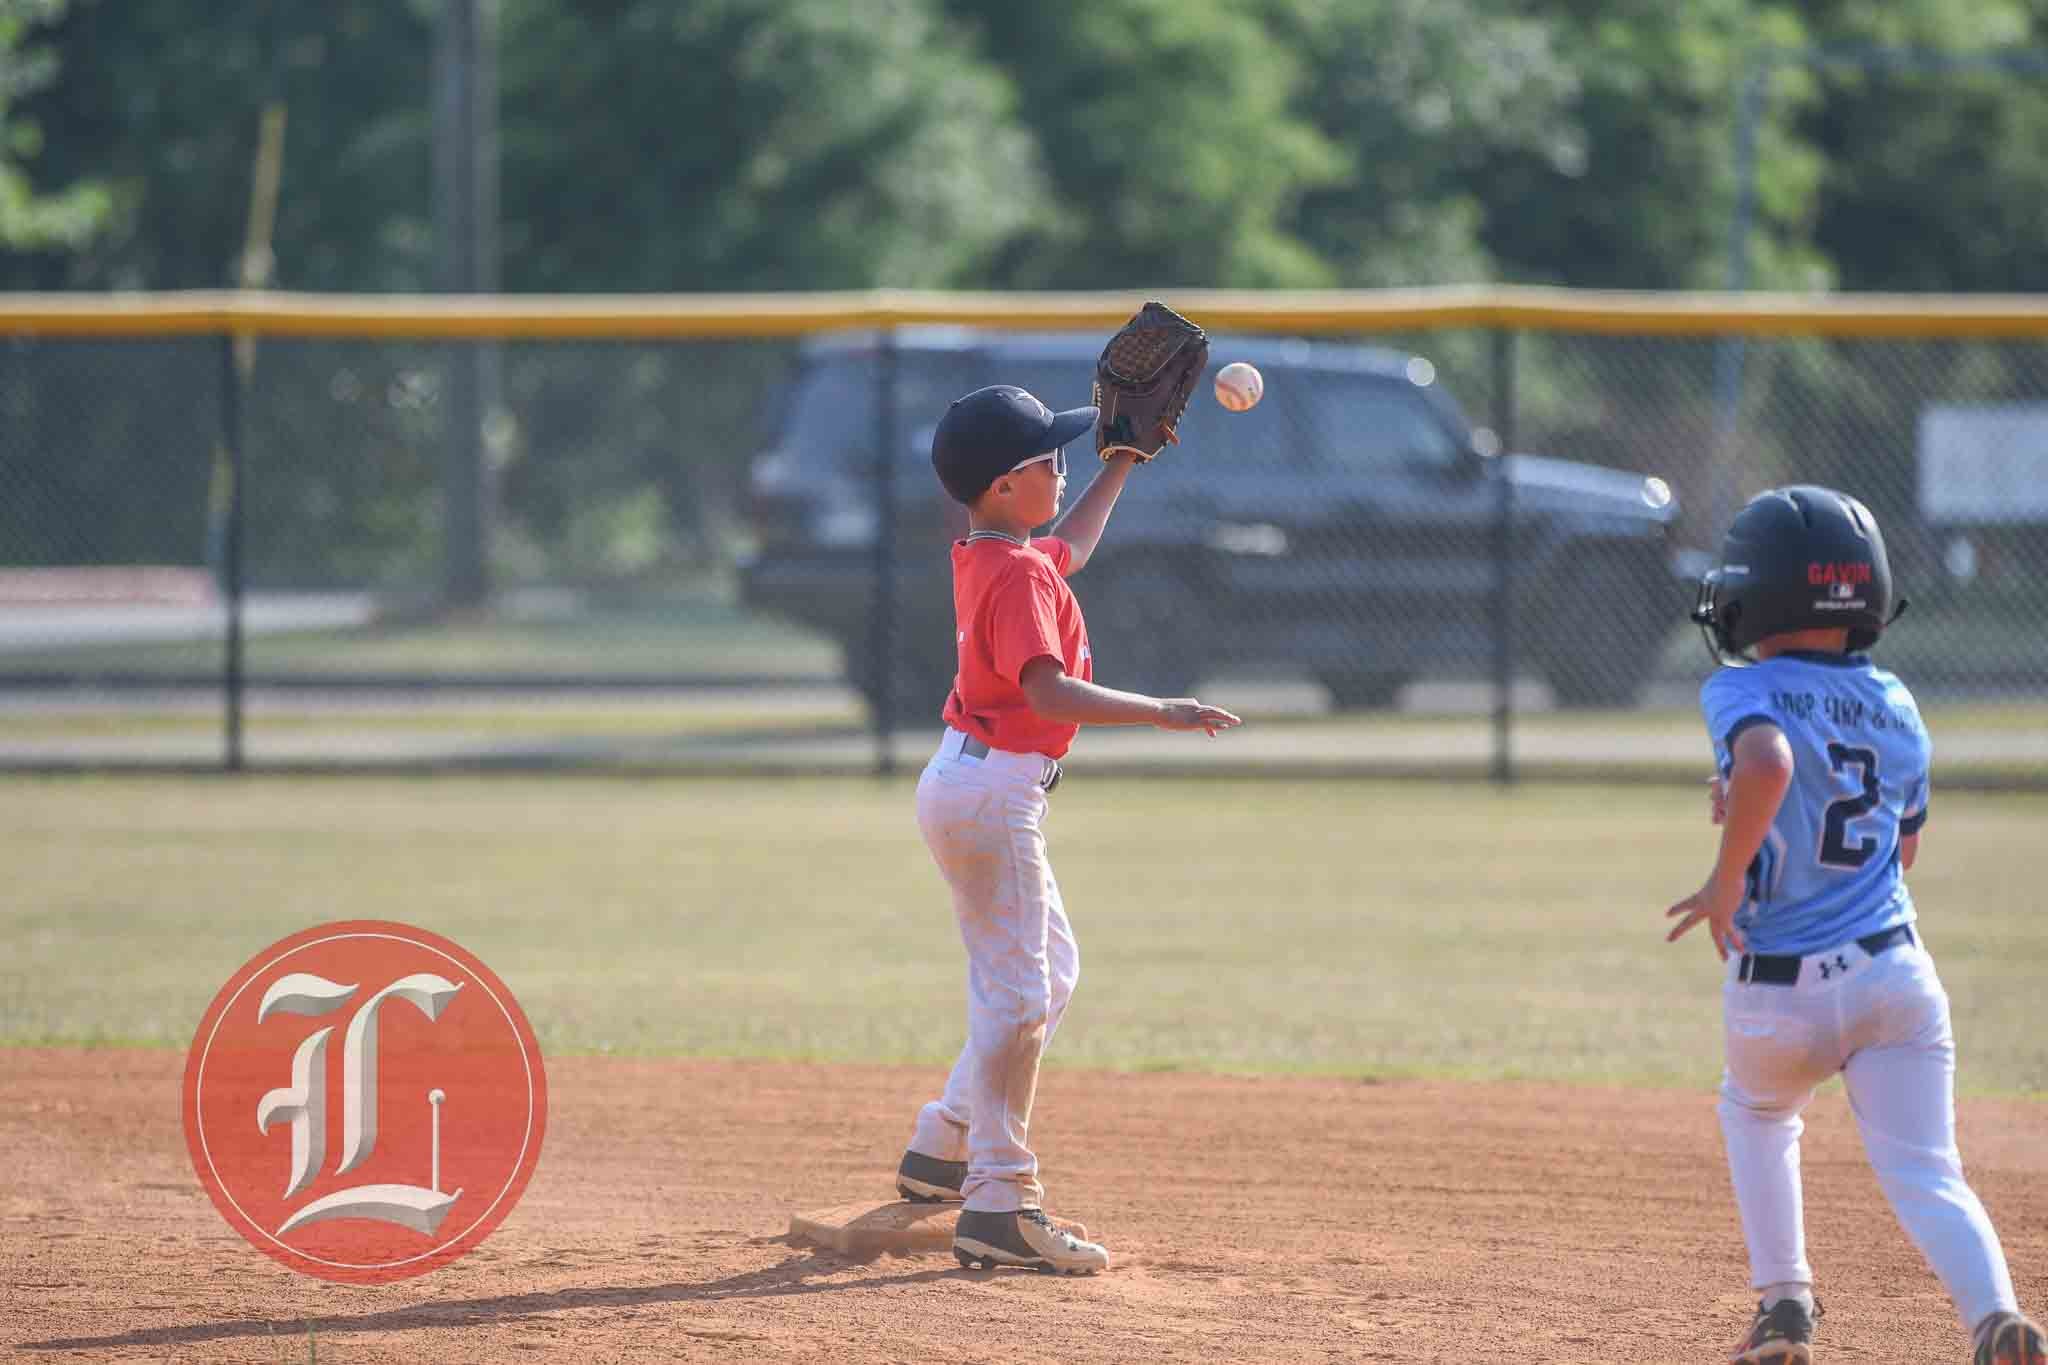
[1773,969]
[974,748]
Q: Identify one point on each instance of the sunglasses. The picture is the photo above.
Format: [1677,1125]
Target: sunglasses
[1057,457]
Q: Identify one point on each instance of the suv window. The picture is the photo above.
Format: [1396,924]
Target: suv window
[832,416]
[1370,425]
[1273,433]
[1329,419]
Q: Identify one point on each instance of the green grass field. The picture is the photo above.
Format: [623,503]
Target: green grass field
[699,629]
[697,634]
[1341,927]
[824,730]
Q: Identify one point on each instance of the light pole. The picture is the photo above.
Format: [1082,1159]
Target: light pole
[466,240]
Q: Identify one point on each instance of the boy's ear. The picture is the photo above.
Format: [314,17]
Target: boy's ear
[1000,488]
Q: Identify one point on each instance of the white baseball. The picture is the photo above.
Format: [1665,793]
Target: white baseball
[1239,386]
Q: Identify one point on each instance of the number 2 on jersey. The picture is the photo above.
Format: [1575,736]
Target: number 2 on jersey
[1835,848]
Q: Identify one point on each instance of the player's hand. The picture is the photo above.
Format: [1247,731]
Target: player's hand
[1717,799]
[1716,903]
[1185,713]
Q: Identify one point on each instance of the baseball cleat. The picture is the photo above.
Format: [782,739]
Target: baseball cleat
[927,1180]
[1783,1335]
[2009,1339]
[1025,1239]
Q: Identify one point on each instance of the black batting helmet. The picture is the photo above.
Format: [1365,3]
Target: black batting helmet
[1796,558]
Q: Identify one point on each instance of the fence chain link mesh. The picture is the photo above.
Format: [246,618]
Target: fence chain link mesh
[680,546]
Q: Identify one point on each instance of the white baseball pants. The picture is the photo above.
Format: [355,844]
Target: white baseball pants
[982,819]
[1883,1023]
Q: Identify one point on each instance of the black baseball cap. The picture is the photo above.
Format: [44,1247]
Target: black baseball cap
[986,434]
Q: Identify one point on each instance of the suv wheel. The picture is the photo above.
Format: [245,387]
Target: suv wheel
[1363,691]
[918,685]
[1146,625]
[1605,630]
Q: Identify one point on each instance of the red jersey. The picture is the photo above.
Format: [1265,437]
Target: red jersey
[1011,604]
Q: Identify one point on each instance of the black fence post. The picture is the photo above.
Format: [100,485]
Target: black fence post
[1503,559]
[231,549]
[882,632]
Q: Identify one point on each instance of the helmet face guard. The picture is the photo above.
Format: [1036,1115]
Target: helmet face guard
[1716,621]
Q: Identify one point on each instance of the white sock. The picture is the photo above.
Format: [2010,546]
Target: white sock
[1774,1294]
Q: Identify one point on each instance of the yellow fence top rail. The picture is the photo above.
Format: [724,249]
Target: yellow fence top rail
[640,317]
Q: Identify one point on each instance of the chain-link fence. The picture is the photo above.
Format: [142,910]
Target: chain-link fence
[1456,550]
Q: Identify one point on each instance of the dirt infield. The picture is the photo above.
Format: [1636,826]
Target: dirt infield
[1252,1219]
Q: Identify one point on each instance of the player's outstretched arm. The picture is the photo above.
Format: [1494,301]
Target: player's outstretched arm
[1756,787]
[1082,526]
[1056,695]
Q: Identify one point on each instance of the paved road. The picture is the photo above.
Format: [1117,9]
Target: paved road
[60,625]
[803,726]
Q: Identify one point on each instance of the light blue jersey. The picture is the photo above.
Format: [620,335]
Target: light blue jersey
[1828,871]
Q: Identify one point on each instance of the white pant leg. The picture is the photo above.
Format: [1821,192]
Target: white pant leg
[942,1124]
[1776,1053]
[1901,1083]
[983,829]
[1063,955]
[944,806]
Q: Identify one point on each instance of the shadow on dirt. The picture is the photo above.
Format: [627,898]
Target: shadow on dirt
[796,1274]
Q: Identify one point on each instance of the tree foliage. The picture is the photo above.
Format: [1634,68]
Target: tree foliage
[161,103]
[1930,133]
[753,144]
[1424,98]
[1170,141]
[822,144]
[765,144]
[64,220]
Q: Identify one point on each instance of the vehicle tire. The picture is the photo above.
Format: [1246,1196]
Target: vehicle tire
[919,684]
[1363,691]
[1604,629]
[1147,628]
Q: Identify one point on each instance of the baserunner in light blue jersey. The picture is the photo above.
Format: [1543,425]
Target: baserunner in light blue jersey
[1821,791]
[1829,870]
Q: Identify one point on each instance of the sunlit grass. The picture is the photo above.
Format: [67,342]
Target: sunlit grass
[1260,926]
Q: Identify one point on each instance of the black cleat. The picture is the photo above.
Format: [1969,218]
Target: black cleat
[927,1180]
[1026,1239]
[1781,1336]
[2009,1339]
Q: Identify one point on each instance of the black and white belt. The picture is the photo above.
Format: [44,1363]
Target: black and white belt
[1775,969]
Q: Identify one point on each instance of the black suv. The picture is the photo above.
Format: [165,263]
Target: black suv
[1346,528]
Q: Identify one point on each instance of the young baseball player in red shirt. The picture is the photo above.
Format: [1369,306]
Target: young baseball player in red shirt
[1025,686]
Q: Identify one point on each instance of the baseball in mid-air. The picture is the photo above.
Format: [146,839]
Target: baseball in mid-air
[1239,386]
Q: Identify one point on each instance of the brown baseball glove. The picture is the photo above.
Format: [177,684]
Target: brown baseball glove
[1143,381]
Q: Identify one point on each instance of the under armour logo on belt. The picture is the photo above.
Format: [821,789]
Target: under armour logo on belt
[1828,969]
